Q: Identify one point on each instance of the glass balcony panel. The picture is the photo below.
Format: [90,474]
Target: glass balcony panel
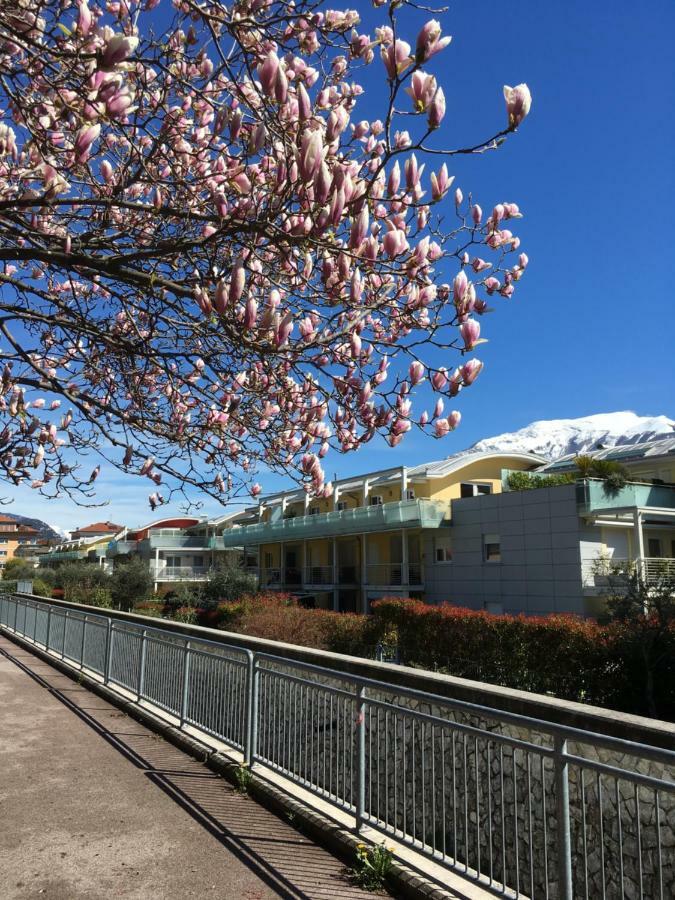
[361,520]
[594,494]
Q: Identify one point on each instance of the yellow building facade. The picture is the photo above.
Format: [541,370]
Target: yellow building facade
[368,539]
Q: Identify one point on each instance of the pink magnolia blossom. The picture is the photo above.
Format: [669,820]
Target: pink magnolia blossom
[118,48]
[429,41]
[437,109]
[396,58]
[518,103]
[192,193]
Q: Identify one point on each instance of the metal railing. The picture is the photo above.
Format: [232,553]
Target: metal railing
[523,806]
[606,572]
[394,573]
[179,573]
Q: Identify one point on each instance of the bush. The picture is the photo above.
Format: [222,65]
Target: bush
[229,583]
[130,583]
[528,481]
[81,583]
[17,569]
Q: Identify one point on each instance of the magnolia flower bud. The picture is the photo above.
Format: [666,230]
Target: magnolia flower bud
[437,109]
[518,103]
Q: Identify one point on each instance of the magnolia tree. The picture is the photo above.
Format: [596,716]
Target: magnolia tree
[210,263]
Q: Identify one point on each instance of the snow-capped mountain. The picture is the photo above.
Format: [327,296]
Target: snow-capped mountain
[557,437]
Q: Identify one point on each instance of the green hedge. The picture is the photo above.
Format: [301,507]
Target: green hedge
[628,666]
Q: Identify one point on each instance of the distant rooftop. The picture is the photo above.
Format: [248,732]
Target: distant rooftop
[98,528]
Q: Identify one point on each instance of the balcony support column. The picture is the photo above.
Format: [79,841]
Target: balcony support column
[364,572]
[282,564]
[639,549]
[303,574]
[156,568]
[404,482]
[405,580]
[336,593]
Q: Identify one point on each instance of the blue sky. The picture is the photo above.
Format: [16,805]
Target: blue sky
[591,327]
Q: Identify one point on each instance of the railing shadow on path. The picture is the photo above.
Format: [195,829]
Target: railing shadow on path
[273,850]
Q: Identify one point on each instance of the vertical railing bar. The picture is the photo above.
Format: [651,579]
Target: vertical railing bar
[639,839]
[465,795]
[516,836]
[659,860]
[489,801]
[545,824]
[84,640]
[443,794]
[529,820]
[584,830]
[454,797]
[433,788]
[108,651]
[252,711]
[563,818]
[141,664]
[602,835]
[361,758]
[477,777]
[185,684]
[617,797]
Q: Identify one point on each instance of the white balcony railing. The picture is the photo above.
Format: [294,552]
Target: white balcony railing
[604,573]
[179,573]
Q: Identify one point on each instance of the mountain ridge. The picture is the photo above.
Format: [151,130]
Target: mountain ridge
[552,438]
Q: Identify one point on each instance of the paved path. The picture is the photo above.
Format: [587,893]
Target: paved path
[94,805]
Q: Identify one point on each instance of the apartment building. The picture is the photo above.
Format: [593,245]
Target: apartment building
[380,534]
[14,535]
[176,549]
[558,549]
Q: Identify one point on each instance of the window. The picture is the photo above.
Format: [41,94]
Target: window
[443,549]
[492,548]
[410,494]
[375,500]
[469,489]
[198,561]
[314,510]
[654,548]
[268,559]
[173,562]
[341,505]
[3,553]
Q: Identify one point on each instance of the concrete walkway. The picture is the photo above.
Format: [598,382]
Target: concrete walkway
[93,805]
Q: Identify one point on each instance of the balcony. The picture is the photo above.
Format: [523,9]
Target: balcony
[362,520]
[179,573]
[593,496]
[394,574]
[322,576]
[121,548]
[175,542]
[604,574]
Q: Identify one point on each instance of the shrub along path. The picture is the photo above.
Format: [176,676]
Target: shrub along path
[95,805]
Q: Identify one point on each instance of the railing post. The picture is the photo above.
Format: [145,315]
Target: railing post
[252,687]
[141,667]
[49,627]
[108,651]
[562,792]
[360,801]
[16,611]
[66,619]
[84,638]
[185,687]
